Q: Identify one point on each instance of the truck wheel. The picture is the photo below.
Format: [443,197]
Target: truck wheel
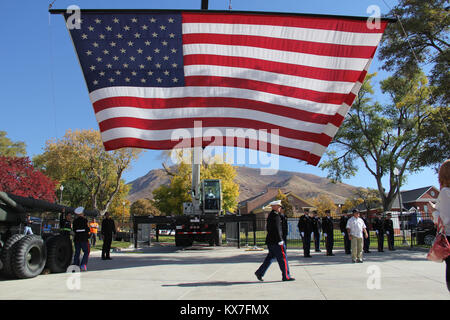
[59,253]
[6,254]
[29,256]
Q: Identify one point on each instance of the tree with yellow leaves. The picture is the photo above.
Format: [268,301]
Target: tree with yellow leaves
[91,176]
[169,198]
[323,202]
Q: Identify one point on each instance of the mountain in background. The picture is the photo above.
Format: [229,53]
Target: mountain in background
[252,183]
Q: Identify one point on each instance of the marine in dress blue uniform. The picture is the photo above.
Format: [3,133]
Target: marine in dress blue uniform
[275,244]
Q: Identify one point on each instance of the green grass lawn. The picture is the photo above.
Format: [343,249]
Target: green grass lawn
[114,244]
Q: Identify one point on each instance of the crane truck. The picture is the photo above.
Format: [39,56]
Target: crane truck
[203,216]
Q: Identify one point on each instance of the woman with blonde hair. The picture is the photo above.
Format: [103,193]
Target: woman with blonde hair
[443,208]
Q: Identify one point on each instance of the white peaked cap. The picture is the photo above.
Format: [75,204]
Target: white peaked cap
[79,210]
[275,203]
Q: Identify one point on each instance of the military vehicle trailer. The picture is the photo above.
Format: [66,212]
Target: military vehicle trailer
[26,256]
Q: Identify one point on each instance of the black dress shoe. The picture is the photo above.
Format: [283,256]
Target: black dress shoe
[289,279]
[108,258]
[330,254]
[258,277]
[308,256]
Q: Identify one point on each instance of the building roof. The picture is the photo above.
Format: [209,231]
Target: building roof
[408,197]
[413,195]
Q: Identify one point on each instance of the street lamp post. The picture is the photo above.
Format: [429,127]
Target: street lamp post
[397,174]
[60,196]
[123,215]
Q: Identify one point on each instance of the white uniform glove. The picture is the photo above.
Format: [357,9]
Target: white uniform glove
[324,234]
[280,243]
[303,234]
[343,233]
[376,231]
[387,232]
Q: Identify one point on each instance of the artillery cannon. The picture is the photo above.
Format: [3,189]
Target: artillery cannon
[26,256]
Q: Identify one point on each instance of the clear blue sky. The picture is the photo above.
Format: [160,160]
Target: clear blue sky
[43,90]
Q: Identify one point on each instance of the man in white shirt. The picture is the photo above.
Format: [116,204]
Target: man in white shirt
[356,228]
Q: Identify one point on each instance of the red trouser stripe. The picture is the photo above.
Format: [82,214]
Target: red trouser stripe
[285,262]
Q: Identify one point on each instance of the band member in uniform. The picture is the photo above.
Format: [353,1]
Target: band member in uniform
[317,227]
[65,223]
[366,241]
[328,232]
[343,226]
[81,239]
[389,229]
[379,230]
[275,244]
[108,228]
[305,227]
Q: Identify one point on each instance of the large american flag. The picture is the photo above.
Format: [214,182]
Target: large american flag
[150,73]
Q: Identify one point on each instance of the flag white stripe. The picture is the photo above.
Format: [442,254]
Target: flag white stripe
[282,32]
[271,77]
[304,59]
[182,92]
[176,134]
[186,113]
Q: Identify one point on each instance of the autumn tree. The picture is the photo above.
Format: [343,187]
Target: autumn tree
[288,210]
[351,203]
[8,148]
[370,198]
[169,198]
[18,176]
[80,161]
[323,202]
[144,207]
[382,137]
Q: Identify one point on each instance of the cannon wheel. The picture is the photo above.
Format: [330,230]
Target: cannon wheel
[6,254]
[28,257]
[59,253]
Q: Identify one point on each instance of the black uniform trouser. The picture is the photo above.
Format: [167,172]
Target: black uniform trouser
[306,239]
[390,238]
[329,242]
[380,237]
[347,243]
[275,252]
[107,239]
[366,243]
[316,240]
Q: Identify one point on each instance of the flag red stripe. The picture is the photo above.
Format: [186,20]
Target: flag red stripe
[168,124]
[323,23]
[316,48]
[214,102]
[275,67]
[169,144]
[299,93]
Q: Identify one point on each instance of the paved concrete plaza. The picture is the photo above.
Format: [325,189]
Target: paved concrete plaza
[225,273]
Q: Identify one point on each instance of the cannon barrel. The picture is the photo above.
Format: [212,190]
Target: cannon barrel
[23,205]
